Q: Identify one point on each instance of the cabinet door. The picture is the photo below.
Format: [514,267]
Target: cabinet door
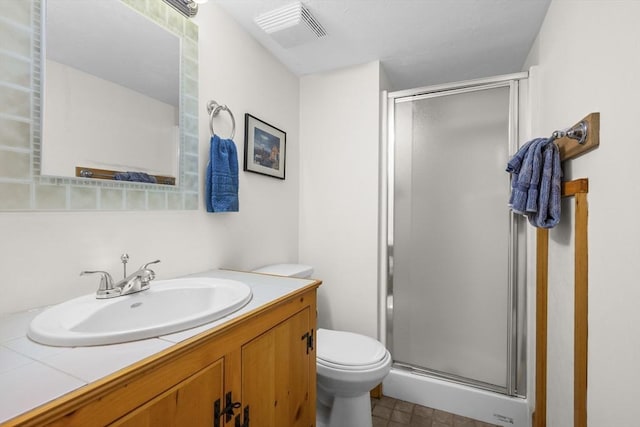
[190,403]
[276,370]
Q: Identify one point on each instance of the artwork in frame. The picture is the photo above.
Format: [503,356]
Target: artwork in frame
[264,148]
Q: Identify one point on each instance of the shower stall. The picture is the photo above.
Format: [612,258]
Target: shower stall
[454,301]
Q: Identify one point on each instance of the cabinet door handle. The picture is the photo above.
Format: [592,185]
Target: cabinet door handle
[229,407]
[227,411]
[308,336]
[245,423]
[217,413]
[246,416]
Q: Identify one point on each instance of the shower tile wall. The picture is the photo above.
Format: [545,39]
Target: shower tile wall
[21,187]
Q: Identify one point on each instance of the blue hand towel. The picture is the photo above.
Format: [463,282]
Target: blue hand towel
[548,213]
[536,173]
[535,182]
[221,192]
[522,180]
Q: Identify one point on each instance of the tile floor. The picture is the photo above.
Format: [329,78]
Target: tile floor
[389,412]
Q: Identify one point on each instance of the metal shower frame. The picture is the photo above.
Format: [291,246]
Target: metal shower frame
[516,375]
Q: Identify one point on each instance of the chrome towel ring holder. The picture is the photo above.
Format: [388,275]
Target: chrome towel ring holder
[213,108]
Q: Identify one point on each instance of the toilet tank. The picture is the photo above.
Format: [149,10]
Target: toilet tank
[289,270]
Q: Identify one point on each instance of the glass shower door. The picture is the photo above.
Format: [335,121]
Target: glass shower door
[451,235]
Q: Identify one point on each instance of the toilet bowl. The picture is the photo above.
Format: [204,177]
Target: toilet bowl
[348,366]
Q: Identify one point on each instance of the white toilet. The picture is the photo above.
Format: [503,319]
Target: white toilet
[348,365]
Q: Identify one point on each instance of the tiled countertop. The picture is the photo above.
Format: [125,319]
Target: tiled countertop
[32,374]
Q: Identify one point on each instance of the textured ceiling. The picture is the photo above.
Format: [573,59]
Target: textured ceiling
[419,42]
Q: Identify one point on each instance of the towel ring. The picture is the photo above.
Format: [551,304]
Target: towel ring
[213,108]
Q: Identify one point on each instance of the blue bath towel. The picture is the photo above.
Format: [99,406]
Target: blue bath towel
[221,190]
[535,182]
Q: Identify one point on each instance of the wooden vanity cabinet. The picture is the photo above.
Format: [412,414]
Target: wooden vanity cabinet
[189,403]
[261,366]
[277,377]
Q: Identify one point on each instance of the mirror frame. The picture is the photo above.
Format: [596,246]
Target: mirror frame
[50,193]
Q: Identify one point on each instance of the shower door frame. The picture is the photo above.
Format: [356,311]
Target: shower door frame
[516,369]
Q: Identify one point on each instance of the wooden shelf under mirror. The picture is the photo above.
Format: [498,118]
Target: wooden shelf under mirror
[84,172]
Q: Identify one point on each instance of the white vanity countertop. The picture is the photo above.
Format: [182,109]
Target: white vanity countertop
[32,374]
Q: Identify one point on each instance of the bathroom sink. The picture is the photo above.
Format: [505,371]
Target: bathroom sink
[168,306]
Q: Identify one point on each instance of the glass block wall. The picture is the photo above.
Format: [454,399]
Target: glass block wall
[21,186]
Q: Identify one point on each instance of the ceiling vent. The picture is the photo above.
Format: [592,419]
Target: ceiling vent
[291,25]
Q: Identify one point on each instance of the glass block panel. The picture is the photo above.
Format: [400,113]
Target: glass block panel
[15,70]
[175,22]
[190,49]
[191,87]
[51,197]
[157,11]
[15,196]
[191,182]
[191,69]
[191,125]
[191,164]
[15,164]
[191,30]
[190,145]
[191,201]
[174,201]
[156,200]
[15,39]
[136,200]
[15,102]
[190,106]
[111,199]
[18,11]
[84,198]
[14,133]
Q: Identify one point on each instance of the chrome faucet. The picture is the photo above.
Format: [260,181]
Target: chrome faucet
[135,282]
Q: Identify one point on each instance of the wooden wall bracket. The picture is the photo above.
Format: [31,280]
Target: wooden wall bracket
[570,148]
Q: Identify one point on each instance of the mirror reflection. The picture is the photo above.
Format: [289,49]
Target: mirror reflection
[110,92]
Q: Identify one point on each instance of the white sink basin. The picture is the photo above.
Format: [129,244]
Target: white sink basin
[168,306]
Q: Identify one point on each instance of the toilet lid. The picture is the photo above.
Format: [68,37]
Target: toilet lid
[348,349]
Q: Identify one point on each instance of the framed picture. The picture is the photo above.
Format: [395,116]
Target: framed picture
[265,148]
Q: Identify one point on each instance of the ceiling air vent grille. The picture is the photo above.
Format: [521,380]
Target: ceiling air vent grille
[291,25]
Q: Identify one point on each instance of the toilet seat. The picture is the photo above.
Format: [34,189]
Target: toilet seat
[351,368]
[349,351]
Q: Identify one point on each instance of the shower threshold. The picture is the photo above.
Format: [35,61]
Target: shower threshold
[456,396]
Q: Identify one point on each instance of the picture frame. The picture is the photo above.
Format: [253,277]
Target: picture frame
[265,148]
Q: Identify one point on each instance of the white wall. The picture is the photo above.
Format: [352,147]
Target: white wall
[41,254]
[339,120]
[587,52]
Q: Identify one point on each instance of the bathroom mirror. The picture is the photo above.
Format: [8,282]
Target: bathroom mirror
[24,184]
[111,90]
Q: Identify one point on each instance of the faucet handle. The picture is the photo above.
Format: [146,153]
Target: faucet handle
[145,266]
[106,282]
[147,274]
